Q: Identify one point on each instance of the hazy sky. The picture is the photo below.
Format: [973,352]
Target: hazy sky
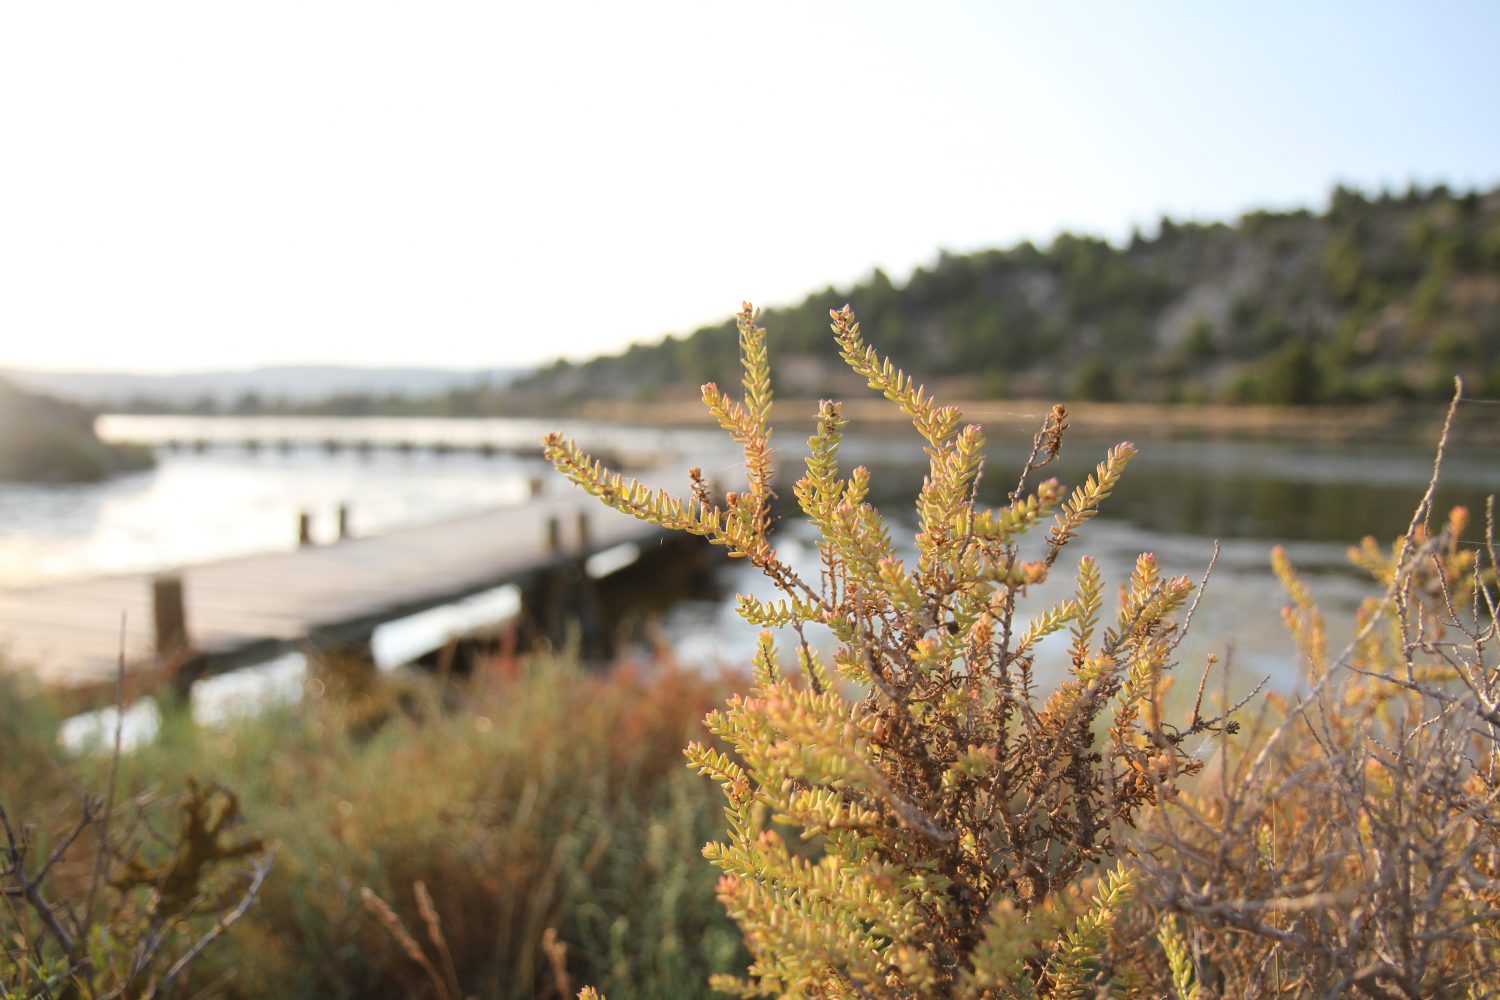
[203,184]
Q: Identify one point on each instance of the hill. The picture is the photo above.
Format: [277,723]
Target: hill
[44,439]
[1373,299]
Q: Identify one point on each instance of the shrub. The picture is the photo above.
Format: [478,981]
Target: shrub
[1095,381]
[919,818]
[1291,377]
[95,901]
[546,819]
[1352,845]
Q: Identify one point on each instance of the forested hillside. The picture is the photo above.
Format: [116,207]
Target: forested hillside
[1374,299]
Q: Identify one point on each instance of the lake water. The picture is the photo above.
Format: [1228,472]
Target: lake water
[1176,499]
[1178,495]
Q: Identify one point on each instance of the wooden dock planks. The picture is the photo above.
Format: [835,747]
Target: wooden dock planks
[68,634]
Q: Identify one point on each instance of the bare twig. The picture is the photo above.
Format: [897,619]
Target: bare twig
[258,876]
[101,854]
[31,891]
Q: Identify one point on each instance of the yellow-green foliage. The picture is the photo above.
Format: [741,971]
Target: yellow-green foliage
[913,818]
[1184,979]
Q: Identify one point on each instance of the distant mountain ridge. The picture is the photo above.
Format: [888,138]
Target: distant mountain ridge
[269,386]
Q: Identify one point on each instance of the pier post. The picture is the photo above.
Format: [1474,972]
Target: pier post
[304,529]
[536,485]
[170,613]
[344,531]
[583,529]
[554,535]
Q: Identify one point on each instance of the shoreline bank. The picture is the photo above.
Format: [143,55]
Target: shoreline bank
[1404,423]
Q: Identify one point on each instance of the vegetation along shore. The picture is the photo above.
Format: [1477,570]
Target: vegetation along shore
[44,439]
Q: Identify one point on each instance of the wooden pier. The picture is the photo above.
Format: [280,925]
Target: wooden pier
[367,446]
[67,635]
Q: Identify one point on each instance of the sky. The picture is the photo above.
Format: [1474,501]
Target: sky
[196,185]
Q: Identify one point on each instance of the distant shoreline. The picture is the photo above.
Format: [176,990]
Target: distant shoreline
[1324,423]
[1477,423]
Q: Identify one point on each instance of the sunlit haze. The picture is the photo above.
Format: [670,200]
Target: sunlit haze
[199,185]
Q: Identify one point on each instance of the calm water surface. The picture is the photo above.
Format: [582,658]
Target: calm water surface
[197,507]
[1177,496]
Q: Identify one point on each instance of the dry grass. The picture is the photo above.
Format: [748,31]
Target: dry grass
[542,832]
[551,805]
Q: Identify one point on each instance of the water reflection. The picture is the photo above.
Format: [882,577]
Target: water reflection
[1176,497]
[1239,617]
[224,502]
[1272,491]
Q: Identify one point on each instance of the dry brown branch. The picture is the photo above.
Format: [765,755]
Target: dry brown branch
[1355,850]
